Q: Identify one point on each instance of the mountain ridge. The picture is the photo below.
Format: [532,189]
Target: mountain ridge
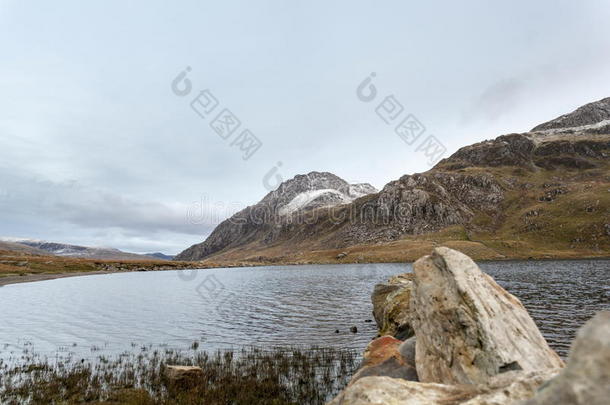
[543,191]
[37,246]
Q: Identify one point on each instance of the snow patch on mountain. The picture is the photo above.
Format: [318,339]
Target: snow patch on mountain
[360,190]
[581,128]
[326,197]
[304,199]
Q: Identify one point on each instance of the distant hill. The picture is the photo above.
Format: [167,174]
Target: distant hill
[18,247]
[158,255]
[68,250]
[543,193]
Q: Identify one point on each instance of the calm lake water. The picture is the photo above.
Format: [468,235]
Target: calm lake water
[264,306]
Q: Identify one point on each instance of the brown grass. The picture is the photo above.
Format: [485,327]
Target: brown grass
[571,223]
[248,376]
[19,264]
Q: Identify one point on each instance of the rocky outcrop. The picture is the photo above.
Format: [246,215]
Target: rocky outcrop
[532,151]
[588,114]
[474,343]
[505,150]
[419,203]
[468,328]
[586,379]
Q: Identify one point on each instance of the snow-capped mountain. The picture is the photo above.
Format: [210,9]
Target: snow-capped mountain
[314,195]
[266,220]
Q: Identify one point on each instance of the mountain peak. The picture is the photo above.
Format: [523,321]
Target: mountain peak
[312,190]
[589,114]
[303,192]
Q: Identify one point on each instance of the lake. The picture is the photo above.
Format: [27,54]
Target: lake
[263,306]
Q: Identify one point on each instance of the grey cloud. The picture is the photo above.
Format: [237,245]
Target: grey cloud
[23,196]
[78,103]
[497,100]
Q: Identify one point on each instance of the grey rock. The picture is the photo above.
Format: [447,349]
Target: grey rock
[586,378]
[182,376]
[395,391]
[587,114]
[468,328]
[383,357]
[500,390]
[407,350]
[391,307]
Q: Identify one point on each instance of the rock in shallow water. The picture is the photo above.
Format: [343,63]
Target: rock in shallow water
[467,327]
[391,306]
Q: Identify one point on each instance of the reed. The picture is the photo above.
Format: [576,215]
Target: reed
[251,375]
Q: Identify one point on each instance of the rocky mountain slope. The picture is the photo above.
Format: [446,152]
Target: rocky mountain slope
[18,247]
[33,246]
[543,193]
[589,114]
[263,221]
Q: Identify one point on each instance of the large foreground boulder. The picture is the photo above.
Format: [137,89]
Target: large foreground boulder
[468,328]
[474,344]
[586,379]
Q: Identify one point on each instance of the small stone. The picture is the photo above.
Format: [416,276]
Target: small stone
[353,329]
[336,330]
[183,375]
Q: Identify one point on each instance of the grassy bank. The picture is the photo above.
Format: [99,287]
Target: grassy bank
[22,266]
[262,376]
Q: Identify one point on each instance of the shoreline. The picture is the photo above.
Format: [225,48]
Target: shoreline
[31,278]
[34,277]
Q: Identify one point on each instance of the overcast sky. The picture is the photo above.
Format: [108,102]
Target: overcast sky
[97,149]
